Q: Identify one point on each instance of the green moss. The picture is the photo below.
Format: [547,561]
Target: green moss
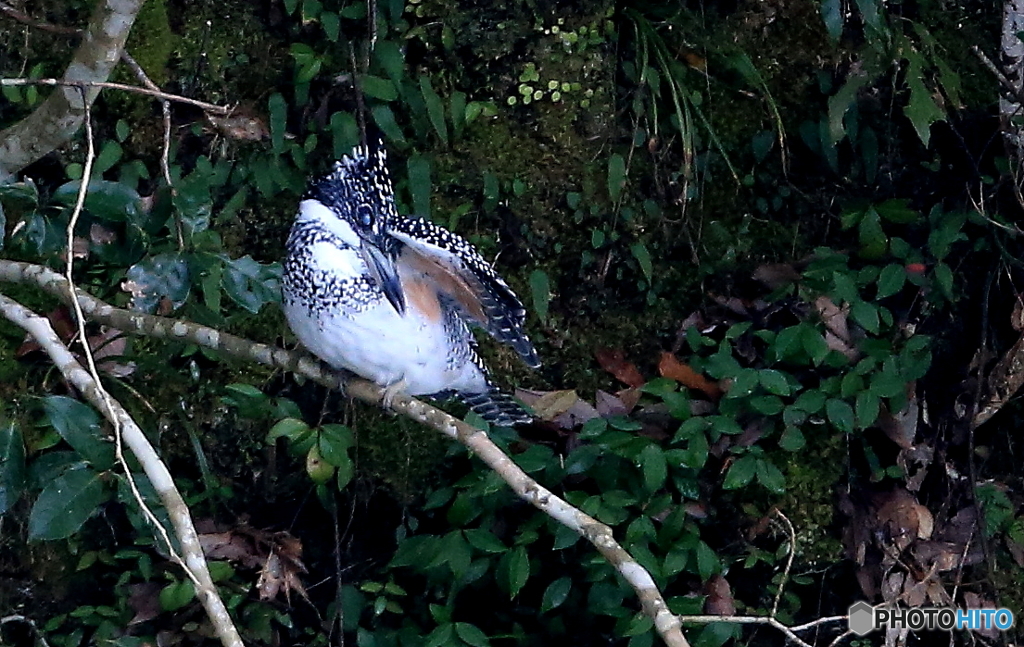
[810,498]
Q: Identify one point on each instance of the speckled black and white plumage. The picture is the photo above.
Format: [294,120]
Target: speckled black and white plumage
[392,298]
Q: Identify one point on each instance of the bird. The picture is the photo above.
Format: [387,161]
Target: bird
[393,298]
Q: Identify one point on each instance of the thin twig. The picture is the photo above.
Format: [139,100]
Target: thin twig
[40,329]
[208,107]
[165,153]
[25,19]
[597,533]
[28,621]
[789,561]
[203,585]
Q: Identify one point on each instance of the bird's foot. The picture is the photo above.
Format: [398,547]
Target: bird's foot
[391,390]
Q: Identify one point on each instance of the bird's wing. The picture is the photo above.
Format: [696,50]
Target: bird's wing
[455,267]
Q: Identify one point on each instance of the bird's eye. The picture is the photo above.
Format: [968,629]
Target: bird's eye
[364,215]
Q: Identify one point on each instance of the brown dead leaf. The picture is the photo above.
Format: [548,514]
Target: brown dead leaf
[776,275]
[240,126]
[144,600]
[614,361]
[278,555]
[974,601]
[837,330]
[629,398]
[672,368]
[901,427]
[552,404]
[279,574]
[904,519]
[719,601]
[63,325]
[609,405]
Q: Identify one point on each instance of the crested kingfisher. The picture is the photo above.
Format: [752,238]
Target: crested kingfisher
[392,298]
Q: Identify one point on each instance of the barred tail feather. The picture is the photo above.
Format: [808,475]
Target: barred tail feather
[497,408]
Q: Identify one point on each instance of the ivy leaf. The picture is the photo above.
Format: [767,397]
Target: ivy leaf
[66,503]
[79,425]
[176,595]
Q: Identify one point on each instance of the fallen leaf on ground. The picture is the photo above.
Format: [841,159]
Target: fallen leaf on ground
[672,368]
[614,361]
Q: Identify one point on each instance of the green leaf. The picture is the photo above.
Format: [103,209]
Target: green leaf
[66,502]
[866,315]
[435,109]
[154,278]
[866,406]
[176,595]
[873,241]
[840,414]
[471,635]
[111,201]
[740,473]
[774,381]
[378,88]
[514,570]
[792,439]
[653,466]
[419,184]
[832,16]
[540,290]
[768,405]
[921,109]
[707,561]
[391,58]
[770,476]
[385,120]
[12,465]
[897,211]
[890,280]
[616,176]
[334,442]
[331,23]
[814,344]
[944,279]
[457,109]
[484,540]
[79,425]
[643,257]
[344,133]
[318,469]
[556,594]
[278,109]
[290,428]
[250,284]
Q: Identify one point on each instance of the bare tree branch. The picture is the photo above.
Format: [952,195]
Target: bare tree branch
[193,561]
[60,116]
[597,533]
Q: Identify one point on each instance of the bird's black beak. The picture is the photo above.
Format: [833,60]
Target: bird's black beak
[383,269]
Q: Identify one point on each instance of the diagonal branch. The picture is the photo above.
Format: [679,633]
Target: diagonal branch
[597,533]
[193,562]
